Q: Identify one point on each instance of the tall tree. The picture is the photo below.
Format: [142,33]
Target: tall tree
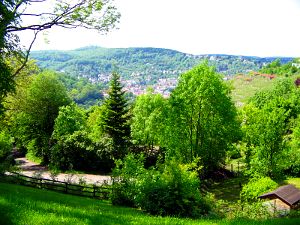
[269,128]
[202,121]
[116,118]
[148,119]
[264,131]
[34,120]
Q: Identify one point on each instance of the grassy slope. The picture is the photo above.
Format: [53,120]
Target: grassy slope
[294,181]
[245,86]
[24,205]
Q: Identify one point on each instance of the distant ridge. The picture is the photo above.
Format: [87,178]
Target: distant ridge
[146,65]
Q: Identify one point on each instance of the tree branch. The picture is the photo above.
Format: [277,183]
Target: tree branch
[27,55]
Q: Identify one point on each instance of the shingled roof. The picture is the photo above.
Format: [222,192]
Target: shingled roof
[288,194]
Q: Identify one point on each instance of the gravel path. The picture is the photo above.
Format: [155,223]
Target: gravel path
[32,169]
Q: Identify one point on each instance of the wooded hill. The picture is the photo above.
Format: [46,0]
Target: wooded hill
[145,65]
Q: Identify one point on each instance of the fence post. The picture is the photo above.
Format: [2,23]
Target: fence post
[66,187]
[94,191]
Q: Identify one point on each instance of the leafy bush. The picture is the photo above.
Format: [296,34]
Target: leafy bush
[125,177]
[254,210]
[77,151]
[256,187]
[174,191]
[5,149]
[5,145]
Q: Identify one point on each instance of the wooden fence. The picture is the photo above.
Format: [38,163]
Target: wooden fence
[100,192]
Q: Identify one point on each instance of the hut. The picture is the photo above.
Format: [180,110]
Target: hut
[284,198]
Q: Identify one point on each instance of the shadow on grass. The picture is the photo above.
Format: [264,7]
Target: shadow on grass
[5,214]
[29,205]
[229,189]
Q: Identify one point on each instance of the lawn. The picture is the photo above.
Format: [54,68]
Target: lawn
[25,205]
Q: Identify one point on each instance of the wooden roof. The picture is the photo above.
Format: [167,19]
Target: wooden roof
[288,194]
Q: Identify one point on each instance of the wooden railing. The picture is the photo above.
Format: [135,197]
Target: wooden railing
[93,191]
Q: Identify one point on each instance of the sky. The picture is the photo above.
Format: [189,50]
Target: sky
[238,27]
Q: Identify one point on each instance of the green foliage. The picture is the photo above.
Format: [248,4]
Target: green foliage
[75,148]
[82,91]
[5,150]
[277,68]
[75,151]
[250,210]
[7,83]
[202,119]
[267,126]
[148,119]
[257,187]
[5,145]
[95,123]
[293,159]
[143,65]
[34,118]
[174,192]
[101,16]
[264,130]
[70,119]
[125,176]
[116,118]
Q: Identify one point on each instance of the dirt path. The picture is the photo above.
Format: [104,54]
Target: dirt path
[32,169]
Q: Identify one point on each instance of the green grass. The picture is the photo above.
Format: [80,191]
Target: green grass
[30,156]
[228,190]
[245,86]
[25,205]
[294,181]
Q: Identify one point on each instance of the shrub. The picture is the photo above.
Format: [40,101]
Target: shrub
[77,151]
[254,210]
[171,190]
[256,187]
[174,192]
[5,145]
[6,160]
[125,176]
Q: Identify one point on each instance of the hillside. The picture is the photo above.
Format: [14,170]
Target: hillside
[25,205]
[148,63]
[141,67]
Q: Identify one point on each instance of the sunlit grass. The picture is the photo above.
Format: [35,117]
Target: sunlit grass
[294,181]
[24,205]
[30,156]
[245,86]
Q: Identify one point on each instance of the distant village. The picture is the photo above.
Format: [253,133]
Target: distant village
[162,86]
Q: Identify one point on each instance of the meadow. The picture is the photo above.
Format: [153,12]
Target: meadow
[25,205]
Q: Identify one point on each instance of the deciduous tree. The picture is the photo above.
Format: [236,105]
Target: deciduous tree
[202,121]
[35,119]
[148,119]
